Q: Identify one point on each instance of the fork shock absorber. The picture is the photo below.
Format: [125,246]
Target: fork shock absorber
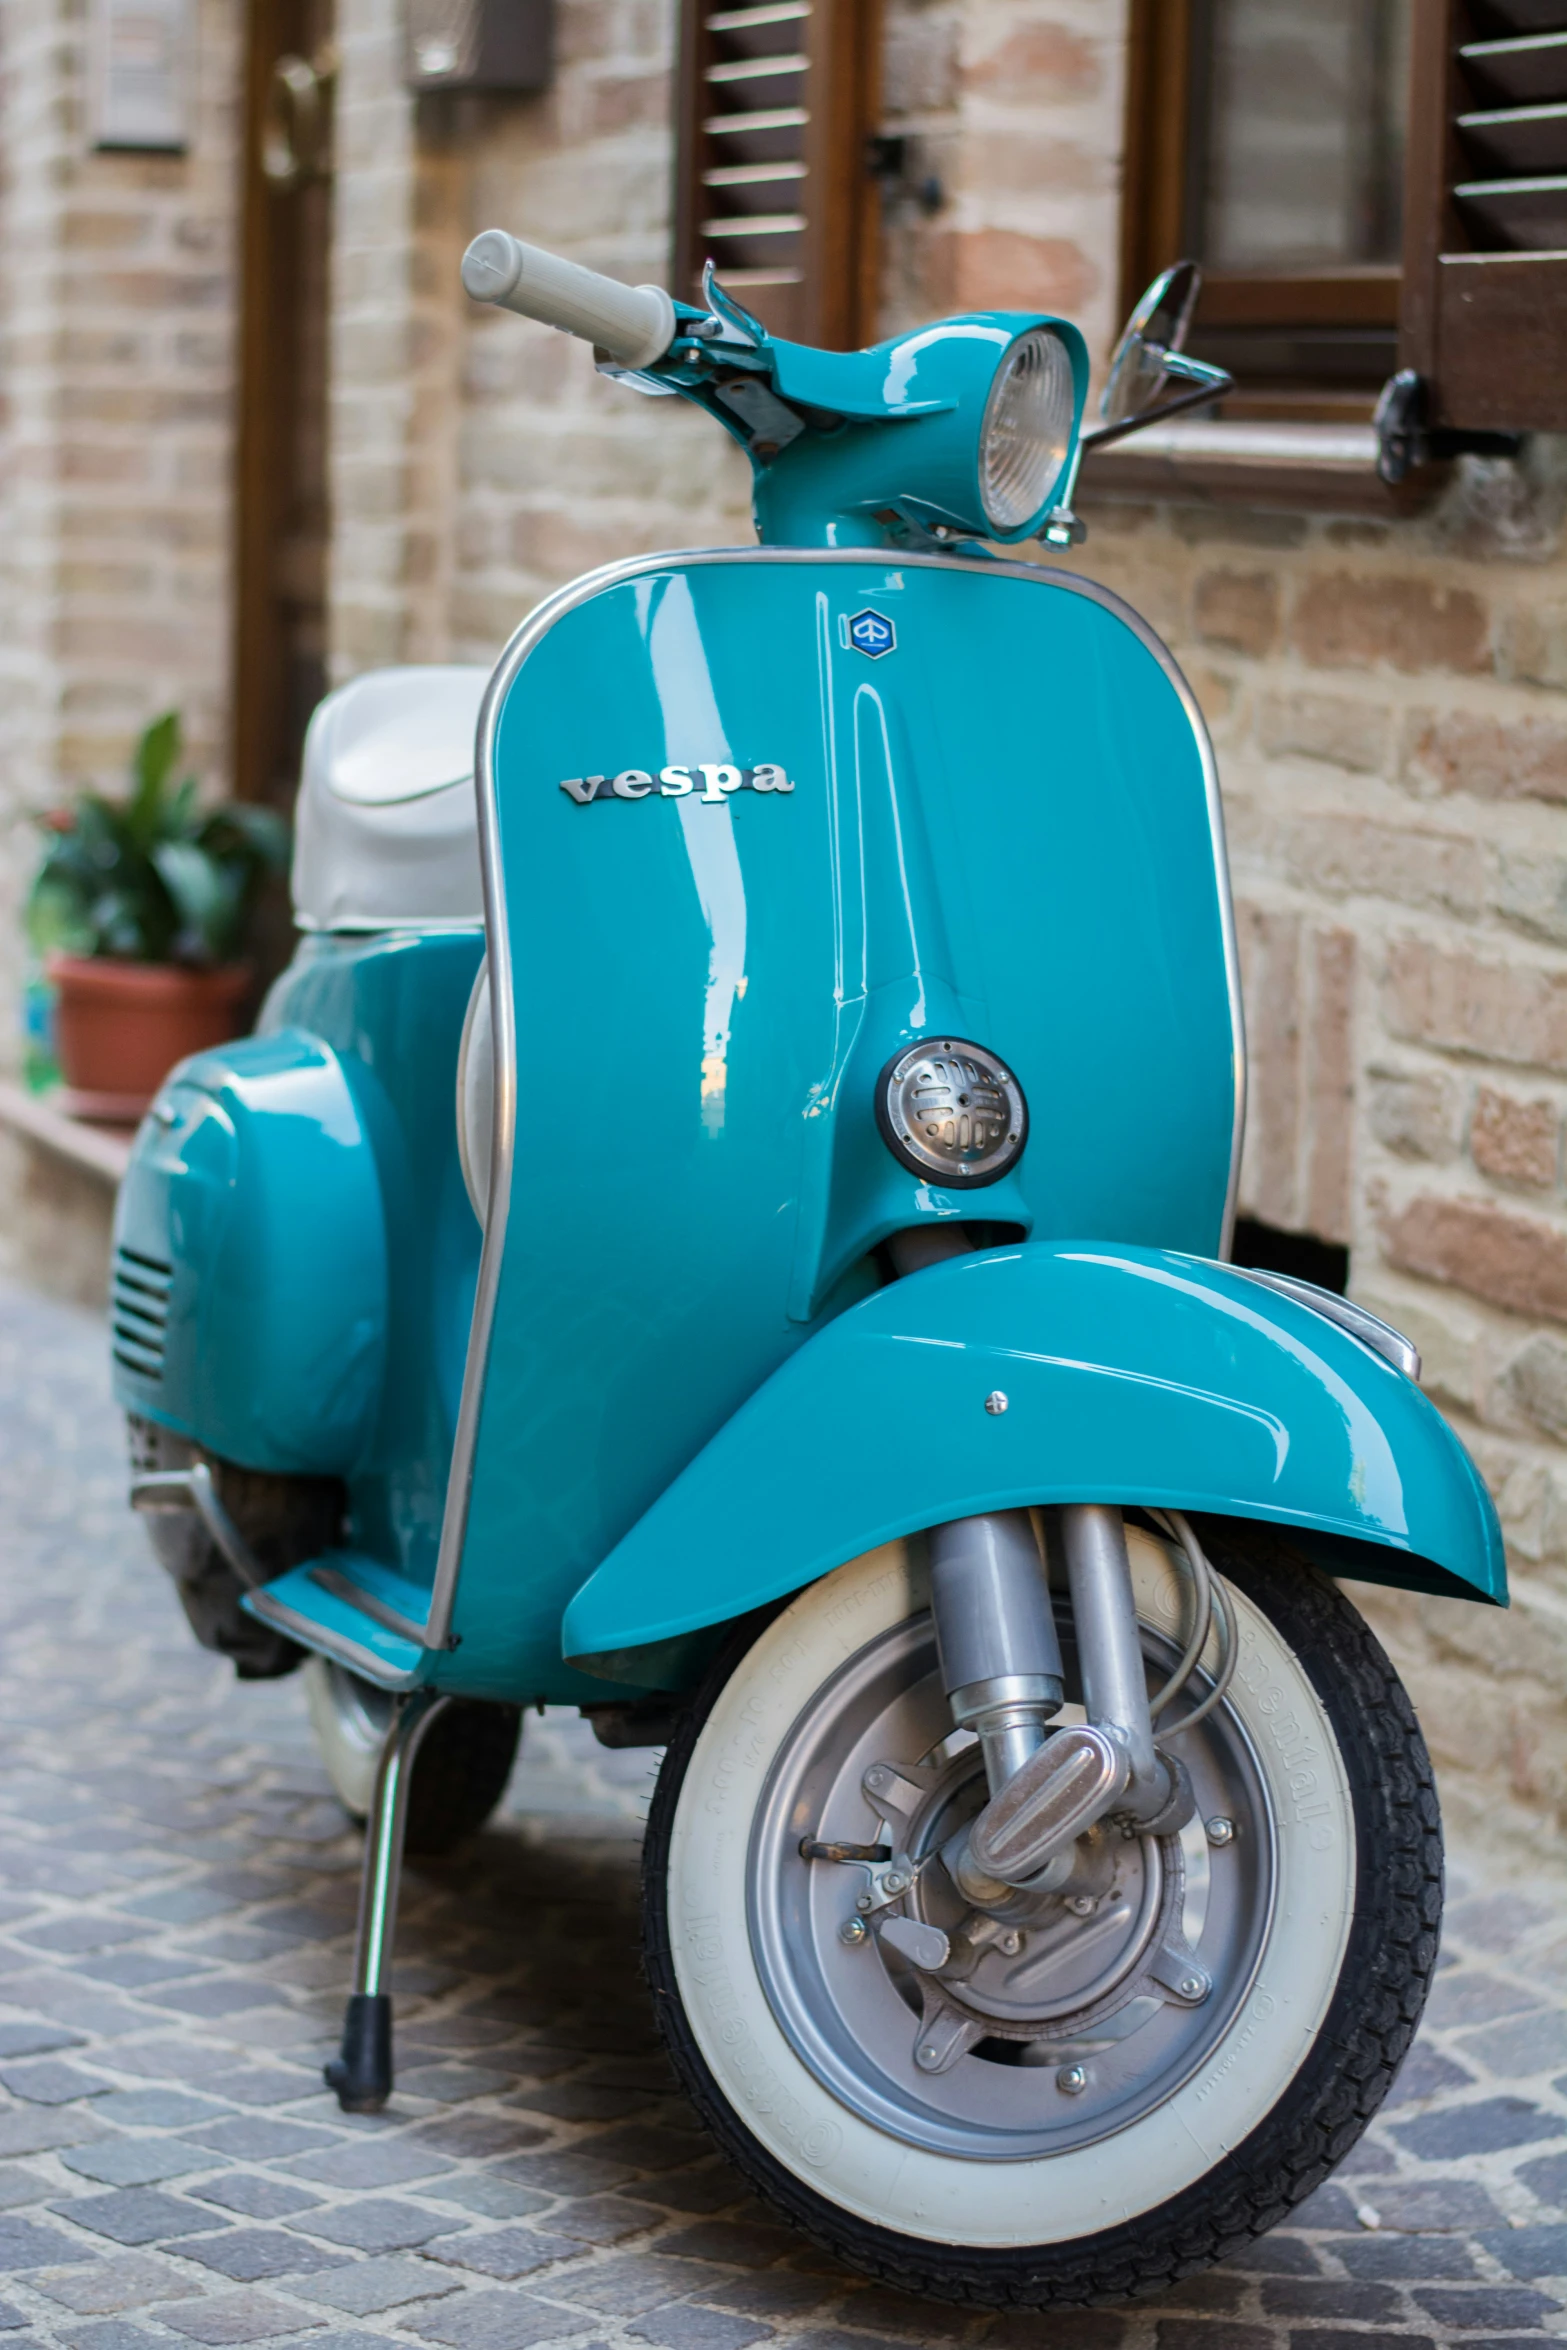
[996,1635]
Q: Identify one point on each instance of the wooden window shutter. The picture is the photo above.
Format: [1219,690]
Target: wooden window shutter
[1483,317]
[776,109]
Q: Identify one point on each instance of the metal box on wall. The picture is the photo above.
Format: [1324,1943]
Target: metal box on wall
[478,45]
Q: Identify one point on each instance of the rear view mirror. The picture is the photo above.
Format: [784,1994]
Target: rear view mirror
[1151,376]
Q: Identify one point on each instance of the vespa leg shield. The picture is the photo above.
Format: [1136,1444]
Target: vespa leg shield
[361,2073]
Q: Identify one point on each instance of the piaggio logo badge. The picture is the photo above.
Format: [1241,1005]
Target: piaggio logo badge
[712,784]
[872,634]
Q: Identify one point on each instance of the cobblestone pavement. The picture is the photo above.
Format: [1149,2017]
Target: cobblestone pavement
[176,1905]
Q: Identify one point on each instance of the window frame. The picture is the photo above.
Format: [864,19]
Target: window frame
[1160,90]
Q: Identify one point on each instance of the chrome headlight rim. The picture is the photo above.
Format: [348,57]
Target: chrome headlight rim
[1021,459]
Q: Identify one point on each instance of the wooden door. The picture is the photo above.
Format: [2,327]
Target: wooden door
[280,653]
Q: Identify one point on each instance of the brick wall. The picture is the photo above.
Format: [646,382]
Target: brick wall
[1389,705]
[116,435]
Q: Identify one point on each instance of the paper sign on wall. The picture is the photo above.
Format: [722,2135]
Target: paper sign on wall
[141,74]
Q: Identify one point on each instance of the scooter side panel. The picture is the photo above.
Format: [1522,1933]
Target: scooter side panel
[1136,1376]
[1000,829]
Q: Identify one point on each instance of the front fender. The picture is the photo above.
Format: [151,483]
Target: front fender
[1131,1375]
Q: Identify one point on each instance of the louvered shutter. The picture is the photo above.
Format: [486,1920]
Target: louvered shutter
[1483,318]
[776,112]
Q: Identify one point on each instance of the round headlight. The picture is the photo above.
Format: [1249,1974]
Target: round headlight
[1027,429]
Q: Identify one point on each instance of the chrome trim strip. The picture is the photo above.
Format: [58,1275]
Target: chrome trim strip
[323,1643]
[459,1486]
[194,1489]
[1359,1321]
[342,1587]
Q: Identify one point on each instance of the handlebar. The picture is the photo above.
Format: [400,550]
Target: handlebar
[634,324]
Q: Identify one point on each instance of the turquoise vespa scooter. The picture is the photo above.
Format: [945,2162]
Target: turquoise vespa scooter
[735,1241]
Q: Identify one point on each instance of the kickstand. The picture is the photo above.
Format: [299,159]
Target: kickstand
[362,2073]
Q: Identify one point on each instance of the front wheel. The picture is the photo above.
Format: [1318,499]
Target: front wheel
[1102,2089]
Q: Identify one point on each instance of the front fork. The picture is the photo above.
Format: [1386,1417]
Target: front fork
[1002,1670]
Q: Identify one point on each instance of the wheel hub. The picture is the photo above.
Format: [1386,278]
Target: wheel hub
[1040,2020]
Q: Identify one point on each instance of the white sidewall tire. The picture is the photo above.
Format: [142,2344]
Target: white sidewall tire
[350,1749]
[947,2199]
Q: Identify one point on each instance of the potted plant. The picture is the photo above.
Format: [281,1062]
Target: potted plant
[138,914]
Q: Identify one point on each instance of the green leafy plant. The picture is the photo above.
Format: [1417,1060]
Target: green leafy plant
[155,877]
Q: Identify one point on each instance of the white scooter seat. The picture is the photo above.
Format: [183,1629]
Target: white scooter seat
[386,827]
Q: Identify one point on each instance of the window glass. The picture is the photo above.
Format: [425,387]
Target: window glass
[1297,153]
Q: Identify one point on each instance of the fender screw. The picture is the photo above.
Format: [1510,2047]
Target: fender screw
[1080,1904]
[855,1931]
[1072,2080]
[895,1881]
[995,1403]
[1192,1986]
[1219,1830]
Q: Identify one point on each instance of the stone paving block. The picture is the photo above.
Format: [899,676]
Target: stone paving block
[222,2318]
[19,2186]
[630,2282]
[1484,2128]
[389,2162]
[84,1931]
[449,2083]
[367,2287]
[582,2101]
[179,1905]
[1546,2178]
[1468,1995]
[498,2321]
[1528,2252]
[250,2138]
[262,2085]
[136,2162]
[732,2244]
[1520,2050]
[489,2198]
[257,2196]
[133,1970]
[705,2187]
[574,2174]
[51,2082]
[24,2246]
[607,2219]
[1206,2333]
[157,2109]
[377,2224]
[217,1995]
[1396,2257]
[249,2254]
[1328,2297]
[103,2286]
[647,2147]
[35,2039]
[38,2129]
[1439,2205]
[507,2253]
[1486,2305]
[112,2333]
[1331,2338]
[1425,2072]
[775,2292]
[10,2318]
[689,2328]
[479,2134]
[138,2215]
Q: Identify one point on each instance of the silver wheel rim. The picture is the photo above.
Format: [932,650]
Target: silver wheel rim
[1081,2037]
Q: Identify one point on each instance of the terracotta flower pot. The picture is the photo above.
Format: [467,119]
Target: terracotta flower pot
[120,1027]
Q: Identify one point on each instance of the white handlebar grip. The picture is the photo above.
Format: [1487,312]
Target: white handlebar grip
[634,324]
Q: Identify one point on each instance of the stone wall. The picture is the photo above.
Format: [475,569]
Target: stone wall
[116,430]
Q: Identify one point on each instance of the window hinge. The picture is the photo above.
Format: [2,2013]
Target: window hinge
[1405,440]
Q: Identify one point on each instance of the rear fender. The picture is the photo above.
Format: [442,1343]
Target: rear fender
[1131,1375]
